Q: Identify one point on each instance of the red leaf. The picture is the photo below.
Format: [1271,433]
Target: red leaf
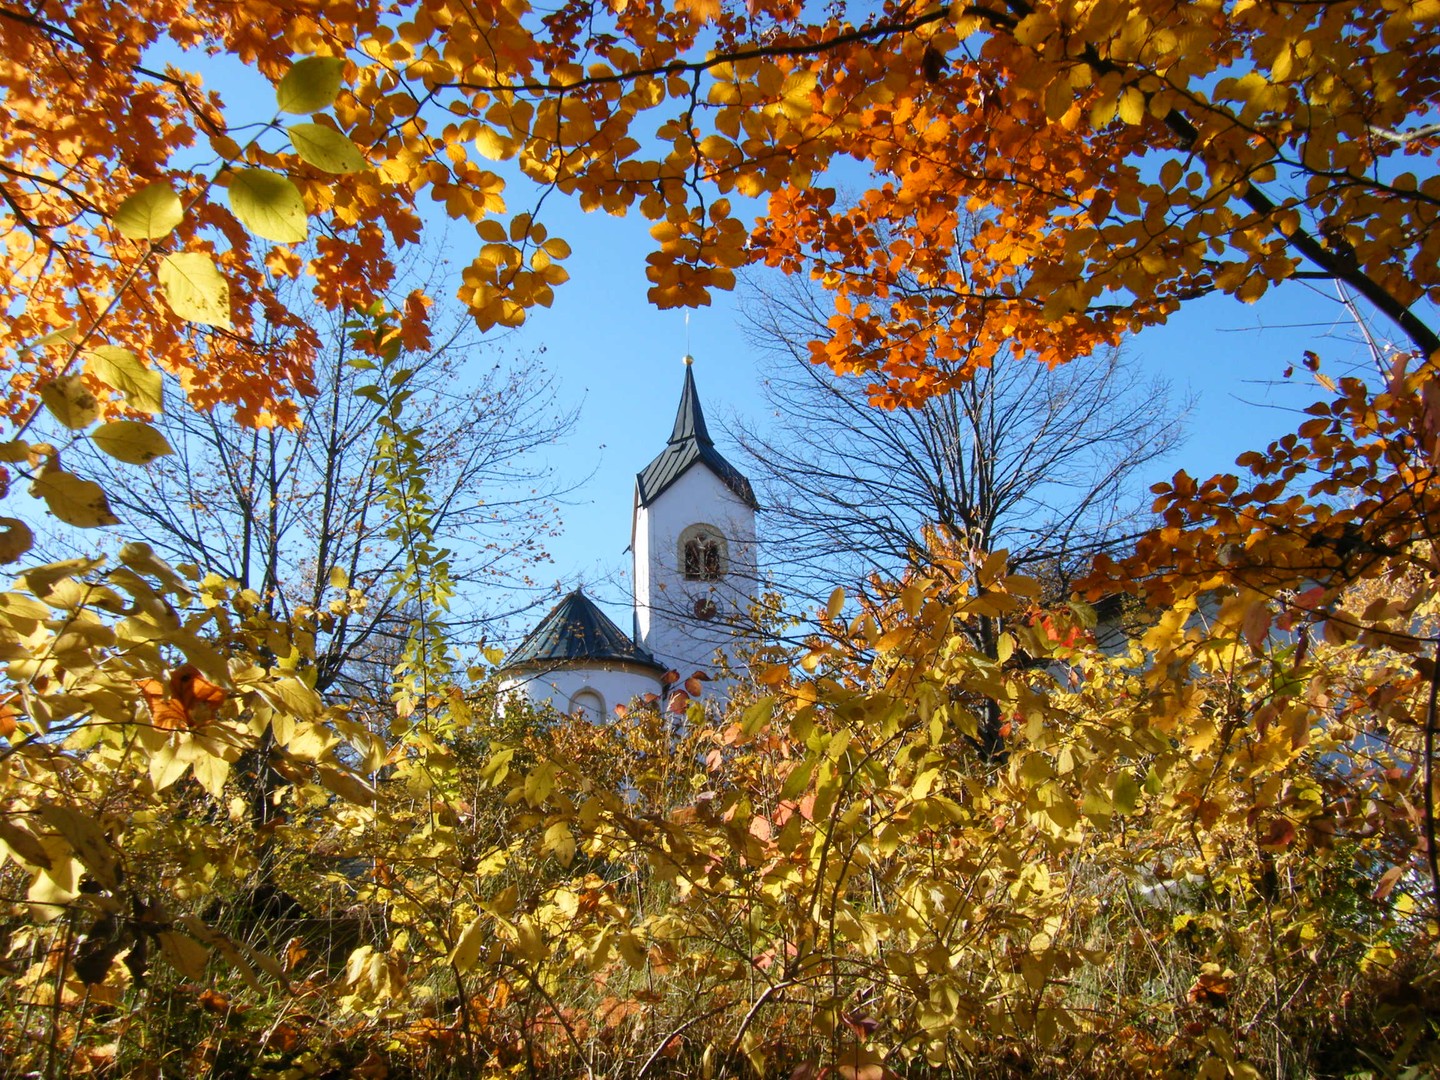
[863,1026]
[1279,835]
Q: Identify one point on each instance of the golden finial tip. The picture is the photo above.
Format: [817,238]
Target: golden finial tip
[687,359]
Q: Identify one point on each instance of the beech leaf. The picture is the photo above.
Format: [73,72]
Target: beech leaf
[70,401]
[1387,882]
[195,289]
[495,146]
[1125,793]
[15,539]
[24,845]
[467,947]
[186,956]
[269,205]
[310,85]
[326,148]
[150,213]
[131,441]
[120,369]
[77,502]
[347,785]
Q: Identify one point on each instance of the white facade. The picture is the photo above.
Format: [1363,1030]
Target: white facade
[683,621]
[589,690]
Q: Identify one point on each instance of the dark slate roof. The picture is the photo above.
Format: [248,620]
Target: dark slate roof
[690,442]
[576,629]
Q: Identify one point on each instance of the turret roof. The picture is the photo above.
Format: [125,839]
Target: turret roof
[577,630]
[689,443]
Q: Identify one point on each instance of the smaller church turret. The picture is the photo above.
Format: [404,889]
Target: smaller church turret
[580,661]
[693,540]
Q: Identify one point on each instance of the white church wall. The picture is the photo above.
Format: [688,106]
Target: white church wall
[665,602]
[560,685]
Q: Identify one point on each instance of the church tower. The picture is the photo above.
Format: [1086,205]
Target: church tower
[693,538]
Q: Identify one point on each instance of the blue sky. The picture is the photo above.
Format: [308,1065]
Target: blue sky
[620,359]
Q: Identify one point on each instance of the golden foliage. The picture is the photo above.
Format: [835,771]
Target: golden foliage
[1199,852]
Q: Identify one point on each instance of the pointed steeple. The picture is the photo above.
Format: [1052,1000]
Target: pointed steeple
[690,418]
[689,444]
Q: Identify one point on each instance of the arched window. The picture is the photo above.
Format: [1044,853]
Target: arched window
[588,705]
[702,553]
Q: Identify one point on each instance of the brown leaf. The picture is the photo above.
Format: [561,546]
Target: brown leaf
[295,953]
[190,688]
[166,715]
[1387,882]
[1256,625]
[96,954]
[863,1026]
[933,64]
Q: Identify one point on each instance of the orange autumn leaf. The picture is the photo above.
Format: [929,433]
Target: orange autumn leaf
[8,715]
[189,703]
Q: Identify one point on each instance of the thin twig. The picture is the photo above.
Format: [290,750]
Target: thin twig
[1429,778]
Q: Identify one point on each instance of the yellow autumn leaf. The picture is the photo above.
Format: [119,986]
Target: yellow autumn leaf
[467,948]
[326,148]
[310,85]
[269,205]
[491,144]
[70,401]
[131,442]
[150,213]
[120,369]
[195,289]
[77,502]
[15,539]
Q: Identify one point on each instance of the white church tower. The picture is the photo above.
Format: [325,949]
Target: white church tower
[693,538]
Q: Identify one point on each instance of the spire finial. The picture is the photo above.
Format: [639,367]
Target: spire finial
[687,359]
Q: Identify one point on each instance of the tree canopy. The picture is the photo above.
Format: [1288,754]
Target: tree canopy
[1209,851]
[1124,158]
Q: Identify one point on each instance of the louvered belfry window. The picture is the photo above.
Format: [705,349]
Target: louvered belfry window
[702,555]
